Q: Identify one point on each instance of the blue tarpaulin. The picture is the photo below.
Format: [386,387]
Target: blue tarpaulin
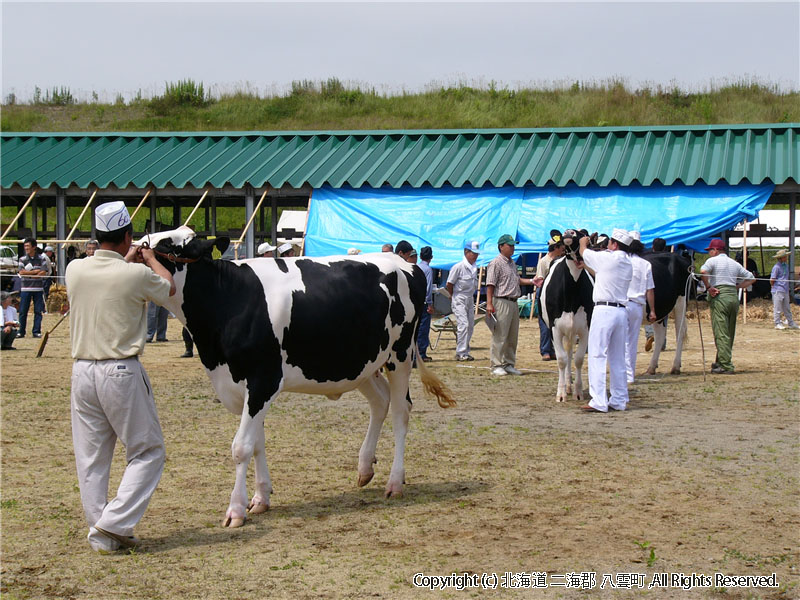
[445,218]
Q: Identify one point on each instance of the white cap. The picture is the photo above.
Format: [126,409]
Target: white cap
[353,251]
[284,248]
[264,248]
[48,249]
[473,246]
[622,236]
[636,235]
[111,216]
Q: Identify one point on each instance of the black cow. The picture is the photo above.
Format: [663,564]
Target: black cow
[670,275]
[317,326]
[566,304]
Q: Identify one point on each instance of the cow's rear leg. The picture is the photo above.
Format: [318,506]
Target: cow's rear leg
[376,390]
[660,334]
[679,314]
[400,403]
[263,484]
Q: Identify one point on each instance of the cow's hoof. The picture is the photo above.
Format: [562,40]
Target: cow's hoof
[365,479]
[650,372]
[560,399]
[394,493]
[676,371]
[257,508]
[233,522]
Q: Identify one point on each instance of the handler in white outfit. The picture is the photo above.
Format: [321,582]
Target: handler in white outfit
[640,289]
[111,395]
[613,272]
[462,283]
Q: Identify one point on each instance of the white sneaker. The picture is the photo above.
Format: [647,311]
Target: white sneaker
[512,371]
[499,372]
[780,326]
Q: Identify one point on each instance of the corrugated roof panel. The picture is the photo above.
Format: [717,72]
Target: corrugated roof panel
[539,157]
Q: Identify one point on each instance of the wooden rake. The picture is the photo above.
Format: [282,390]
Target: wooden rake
[46,336]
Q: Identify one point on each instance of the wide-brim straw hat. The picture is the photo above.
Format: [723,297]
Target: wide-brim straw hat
[780,253]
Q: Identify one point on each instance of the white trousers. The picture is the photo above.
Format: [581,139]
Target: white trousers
[780,303]
[463,306]
[635,312]
[607,348]
[113,399]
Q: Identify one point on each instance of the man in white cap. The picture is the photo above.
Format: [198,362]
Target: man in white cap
[779,280]
[613,273]
[285,250]
[111,394]
[641,291]
[265,250]
[462,282]
[502,292]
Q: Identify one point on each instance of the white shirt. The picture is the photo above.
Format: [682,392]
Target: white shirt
[641,280]
[10,315]
[723,270]
[613,273]
[464,277]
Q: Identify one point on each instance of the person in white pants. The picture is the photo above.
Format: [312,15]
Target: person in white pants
[613,272]
[462,283]
[111,396]
[641,289]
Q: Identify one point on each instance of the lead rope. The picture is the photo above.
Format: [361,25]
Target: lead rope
[693,277]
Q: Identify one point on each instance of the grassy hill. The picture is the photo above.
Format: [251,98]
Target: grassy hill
[330,105]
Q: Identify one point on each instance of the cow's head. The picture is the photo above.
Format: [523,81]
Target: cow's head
[180,246]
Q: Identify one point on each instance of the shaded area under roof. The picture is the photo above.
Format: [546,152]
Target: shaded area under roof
[540,157]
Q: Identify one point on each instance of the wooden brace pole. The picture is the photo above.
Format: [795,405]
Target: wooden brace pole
[83,212]
[252,217]
[191,214]
[305,227]
[141,204]
[744,264]
[19,214]
[478,294]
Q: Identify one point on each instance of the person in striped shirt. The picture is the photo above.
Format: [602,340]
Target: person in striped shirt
[723,277]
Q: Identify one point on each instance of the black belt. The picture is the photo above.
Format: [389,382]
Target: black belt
[617,304]
[505,298]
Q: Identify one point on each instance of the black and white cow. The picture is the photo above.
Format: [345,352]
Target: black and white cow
[316,326]
[566,305]
[670,274]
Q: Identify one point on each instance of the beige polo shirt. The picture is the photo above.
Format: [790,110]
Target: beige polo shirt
[502,274]
[108,305]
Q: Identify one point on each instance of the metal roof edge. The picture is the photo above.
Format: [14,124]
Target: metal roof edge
[385,132]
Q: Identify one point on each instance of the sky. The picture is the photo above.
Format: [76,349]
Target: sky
[112,48]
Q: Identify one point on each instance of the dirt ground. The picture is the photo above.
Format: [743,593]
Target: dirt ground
[700,476]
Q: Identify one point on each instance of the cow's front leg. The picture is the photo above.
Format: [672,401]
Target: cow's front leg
[242,449]
[401,406]
[660,334]
[263,484]
[580,355]
[376,390]
[679,314]
[562,392]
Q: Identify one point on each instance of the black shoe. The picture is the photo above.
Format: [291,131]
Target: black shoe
[8,348]
[20,336]
[187,354]
[149,340]
[37,335]
[721,371]
[162,340]
[427,359]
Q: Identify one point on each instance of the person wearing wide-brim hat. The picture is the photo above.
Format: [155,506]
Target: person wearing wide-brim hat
[779,280]
[502,292]
[111,395]
[723,277]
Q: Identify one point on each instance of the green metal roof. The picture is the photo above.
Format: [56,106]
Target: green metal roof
[583,156]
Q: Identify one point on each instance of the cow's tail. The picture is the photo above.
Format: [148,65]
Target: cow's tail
[433,385]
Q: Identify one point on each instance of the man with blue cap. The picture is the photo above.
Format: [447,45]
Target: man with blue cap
[462,283]
[111,394]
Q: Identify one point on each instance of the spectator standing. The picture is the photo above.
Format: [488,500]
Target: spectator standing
[462,282]
[640,290]
[387,248]
[33,268]
[10,321]
[286,250]
[406,251]
[613,273]
[723,276]
[779,280]
[423,336]
[157,323]
[265,250]
[555,249]
[502,292]
[50,253]
[91,248]
[111,395]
